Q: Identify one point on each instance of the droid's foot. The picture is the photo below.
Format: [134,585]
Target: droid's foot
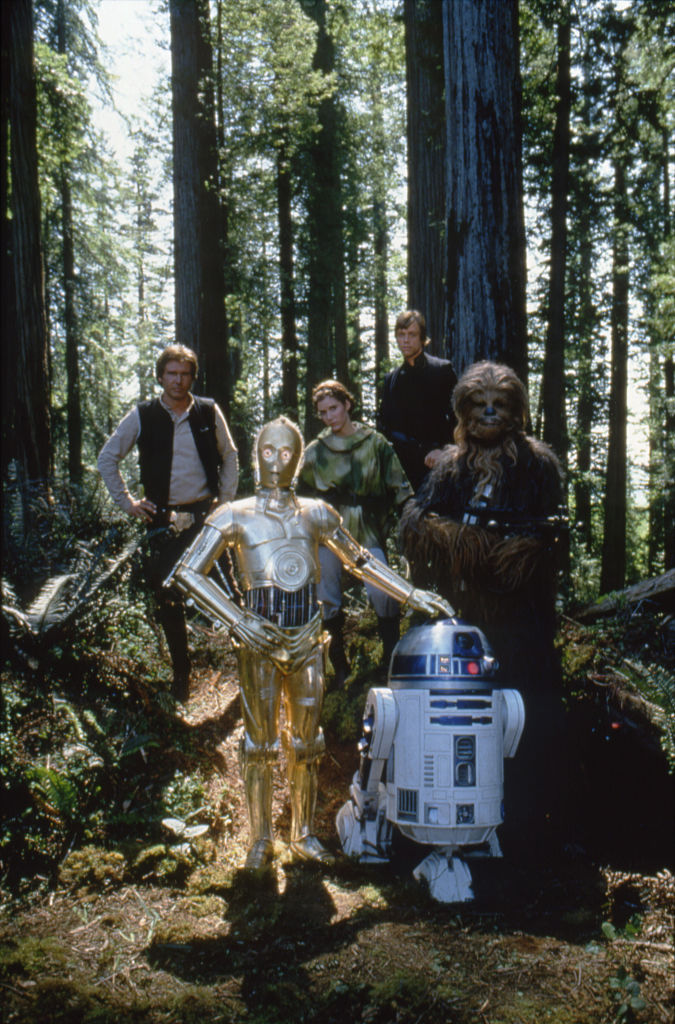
[447,876]
[260,855]
[309,848]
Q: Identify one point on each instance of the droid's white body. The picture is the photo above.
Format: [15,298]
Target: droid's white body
[432,756]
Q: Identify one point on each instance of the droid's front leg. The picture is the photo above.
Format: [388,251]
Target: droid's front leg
[365,833]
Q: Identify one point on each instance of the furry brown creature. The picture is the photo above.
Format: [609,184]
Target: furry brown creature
[481,529]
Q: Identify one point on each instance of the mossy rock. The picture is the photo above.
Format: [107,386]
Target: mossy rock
[161,863]
[93,868]
[210,879]
[33,956]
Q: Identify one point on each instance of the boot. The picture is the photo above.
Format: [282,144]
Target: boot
[336,649]
[389,630]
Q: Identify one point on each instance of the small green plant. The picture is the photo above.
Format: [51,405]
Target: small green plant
[631,930]
[626,991]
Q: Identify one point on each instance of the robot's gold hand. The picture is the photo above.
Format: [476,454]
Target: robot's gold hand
[432,604]
[260,634]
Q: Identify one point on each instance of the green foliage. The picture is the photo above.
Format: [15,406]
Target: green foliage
[630,652]
[402,997]
[85,724]
[626,992]
[657,685]
[33,956]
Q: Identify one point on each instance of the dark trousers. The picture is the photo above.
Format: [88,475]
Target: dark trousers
[164,548]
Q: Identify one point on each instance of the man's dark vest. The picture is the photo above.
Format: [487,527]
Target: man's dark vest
[155,446]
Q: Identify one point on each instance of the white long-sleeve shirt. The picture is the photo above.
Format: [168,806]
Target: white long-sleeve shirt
[188,481]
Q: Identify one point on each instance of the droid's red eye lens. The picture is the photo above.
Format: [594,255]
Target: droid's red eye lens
[473,668]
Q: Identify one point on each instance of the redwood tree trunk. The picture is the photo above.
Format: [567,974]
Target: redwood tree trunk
[553,383]
[74,412]
[613,570]
[327,352]
[426,167]
[289,338]
[201,321]
[485,236]
[26,419]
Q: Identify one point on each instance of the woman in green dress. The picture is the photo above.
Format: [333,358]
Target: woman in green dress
[356,470]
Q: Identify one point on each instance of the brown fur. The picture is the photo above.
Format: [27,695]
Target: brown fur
[476,568]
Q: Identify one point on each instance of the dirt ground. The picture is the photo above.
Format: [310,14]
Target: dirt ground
[575,937]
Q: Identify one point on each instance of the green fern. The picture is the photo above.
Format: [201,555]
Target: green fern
[658,686]
[57,791]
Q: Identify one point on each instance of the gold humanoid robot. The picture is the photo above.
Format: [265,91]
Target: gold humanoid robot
[278,634]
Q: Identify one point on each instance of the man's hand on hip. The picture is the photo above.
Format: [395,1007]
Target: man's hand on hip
[142,509]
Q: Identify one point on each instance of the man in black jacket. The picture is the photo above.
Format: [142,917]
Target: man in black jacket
[415,411]
[188,465]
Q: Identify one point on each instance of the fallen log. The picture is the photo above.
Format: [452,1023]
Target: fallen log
[660,589]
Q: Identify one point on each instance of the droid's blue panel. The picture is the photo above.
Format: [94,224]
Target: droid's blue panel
[409,665]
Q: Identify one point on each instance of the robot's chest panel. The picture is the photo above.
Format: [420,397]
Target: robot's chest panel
[278,549]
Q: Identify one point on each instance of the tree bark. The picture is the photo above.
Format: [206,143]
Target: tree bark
[586,323]
[289,338]
[426,167]
[73,406]
[659,589]
[201,321]
[26,420]
[484,210]
[327,351]
[553,382]
[613,570]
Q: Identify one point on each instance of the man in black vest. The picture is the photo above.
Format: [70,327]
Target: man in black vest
[188,466]
[415,411]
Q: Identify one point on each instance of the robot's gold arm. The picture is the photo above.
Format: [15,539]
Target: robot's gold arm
[369,569]
[190,576]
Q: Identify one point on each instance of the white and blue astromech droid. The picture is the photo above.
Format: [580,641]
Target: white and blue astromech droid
[432,756]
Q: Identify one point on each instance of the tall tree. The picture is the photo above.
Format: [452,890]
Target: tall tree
[289,337]
[73,407]
[201,319]
[26,416]
[553,382]
[327,350]
[485,234]
[425,82]
[584,320]
[613,568]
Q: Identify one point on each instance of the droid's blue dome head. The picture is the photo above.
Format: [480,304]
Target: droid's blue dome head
[446,652]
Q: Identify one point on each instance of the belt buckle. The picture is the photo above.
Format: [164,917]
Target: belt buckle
[180,521]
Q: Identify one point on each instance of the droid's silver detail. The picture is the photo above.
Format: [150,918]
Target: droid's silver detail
[278,632]
[432,756]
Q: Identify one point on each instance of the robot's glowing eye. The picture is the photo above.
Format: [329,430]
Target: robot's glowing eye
[286,455]
[473,668]
[267,451]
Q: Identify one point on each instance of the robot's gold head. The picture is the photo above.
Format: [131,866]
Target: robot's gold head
[278,452]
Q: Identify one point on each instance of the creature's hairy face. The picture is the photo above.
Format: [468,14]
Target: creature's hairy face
[490,415]
[490,403]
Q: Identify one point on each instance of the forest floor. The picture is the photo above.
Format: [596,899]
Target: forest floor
[579,936]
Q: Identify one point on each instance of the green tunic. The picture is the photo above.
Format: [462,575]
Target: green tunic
[361,477]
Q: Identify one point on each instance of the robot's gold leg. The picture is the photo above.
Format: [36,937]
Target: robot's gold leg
[304,744]
[304,845]
[259,750]
[261,688]
[258,787]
